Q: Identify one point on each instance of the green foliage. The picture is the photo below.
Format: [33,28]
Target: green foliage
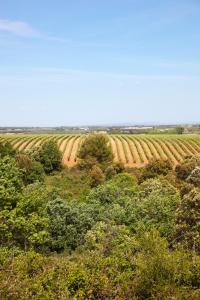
[110,172]
[50,157]
[119,167]
[188,220]
[68,223]
[161,274]
[157,207]
[112,192]
[32,170]
[56,210]
[97,147]
[60,239]
[36,172]
[69,184]
[97,176]
[112,265]
[10,182]
[124,181]
[27,224]
[179,130]
[6,150]
[113,169]
[194,177]
[155,168]
[185,189]
[184,170]
[87,163]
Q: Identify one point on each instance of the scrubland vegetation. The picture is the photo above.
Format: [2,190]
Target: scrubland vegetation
[101,229]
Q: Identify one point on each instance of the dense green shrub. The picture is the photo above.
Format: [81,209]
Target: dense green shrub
[68,223]
[110,172]
[155,168]
[179,130]
[112,265]
[32,169]
[6,149]
[96,146]
[194,177]
[11,183]
[188,220]
[26,225]
[50,157]
[87,163]
[184,169]
[97,176]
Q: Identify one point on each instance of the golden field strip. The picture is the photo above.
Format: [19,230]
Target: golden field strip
[132,150]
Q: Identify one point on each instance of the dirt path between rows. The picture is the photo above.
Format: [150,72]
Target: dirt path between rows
[182,152]
[66,153]
[62,145]
[114,149]
[154,150]
[188,146]
[130,158]
[145,146]
[195,146]
[23,146]
[174,160]
[59,142]
[136,154]
[121,151]
[72,161]
[159,148]
[145,160]
[29,146]
[174,151]
[15,146]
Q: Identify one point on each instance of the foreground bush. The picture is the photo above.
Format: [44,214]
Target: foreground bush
[154,168]
[113,265]
[184,170]
[32,169]
[6,150]
[50,157]
[188,220]
[62,239]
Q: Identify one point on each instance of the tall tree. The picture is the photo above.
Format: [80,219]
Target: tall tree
[97,146]
[50,157]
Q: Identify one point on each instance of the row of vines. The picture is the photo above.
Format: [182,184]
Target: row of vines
[69,145]
[132,150]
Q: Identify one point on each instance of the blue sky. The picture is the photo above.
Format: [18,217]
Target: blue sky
[99,62]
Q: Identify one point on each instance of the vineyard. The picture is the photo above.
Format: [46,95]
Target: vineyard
[132,150]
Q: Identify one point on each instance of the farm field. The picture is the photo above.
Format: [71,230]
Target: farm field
[132,150]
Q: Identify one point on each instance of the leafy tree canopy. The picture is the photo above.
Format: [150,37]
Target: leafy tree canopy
[97,146]
[50,157]
[32,169]
[188,220]
[11,183]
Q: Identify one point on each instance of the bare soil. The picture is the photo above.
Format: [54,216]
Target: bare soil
[114,149]
[72,161]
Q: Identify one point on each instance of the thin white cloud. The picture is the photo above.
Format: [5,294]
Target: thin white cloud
[18,28]
[25,30]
